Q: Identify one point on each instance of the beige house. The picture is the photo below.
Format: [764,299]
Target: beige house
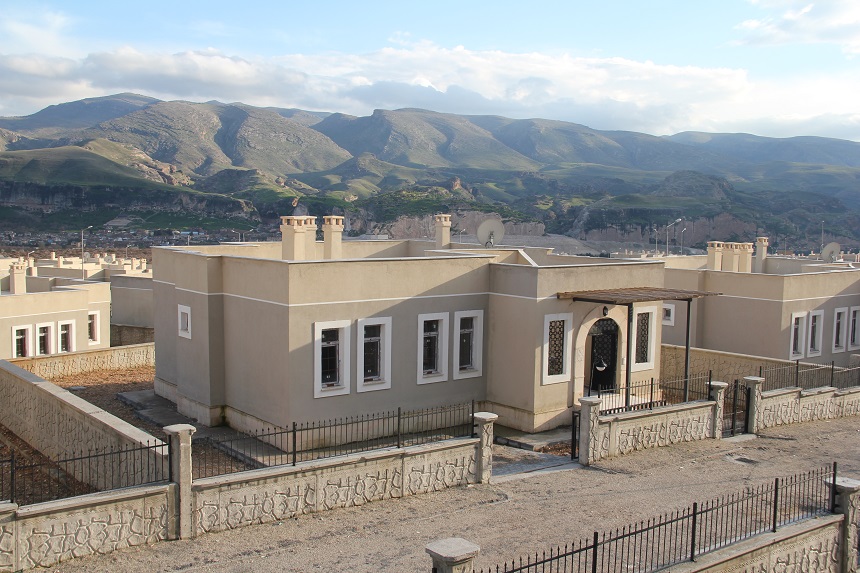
[40,315]
[262,334]
[774,306]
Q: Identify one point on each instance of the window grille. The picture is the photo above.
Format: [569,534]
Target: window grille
[555,357]
[643,338]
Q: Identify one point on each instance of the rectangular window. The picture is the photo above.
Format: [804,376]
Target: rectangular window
[432,347]
[644,338]
[374,354]
[816,320]
[66,337]
[669,314]
[840,329]
[557,340]
[43,339]
[854,328]
[469,349]
[93,327]
[798,335]
[21,342]
[184,321]
[331,358]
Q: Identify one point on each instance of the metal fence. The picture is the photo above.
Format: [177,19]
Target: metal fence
[653,393]
[336,437]
[808,376]
[31,481]
[681,536]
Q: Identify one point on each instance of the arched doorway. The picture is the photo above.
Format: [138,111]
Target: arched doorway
[604,355]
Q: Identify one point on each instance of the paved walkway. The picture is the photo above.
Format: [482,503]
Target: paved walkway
[516,514]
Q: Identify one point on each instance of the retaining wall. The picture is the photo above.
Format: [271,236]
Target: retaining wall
[117,358]
[794,405]
[124,335]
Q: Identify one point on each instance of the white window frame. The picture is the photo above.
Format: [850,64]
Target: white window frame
[344,379]
[29,349]
[440,375]
[810,351]
[854,314]
[72,345]
[51,342]
[670,319]
[384,380]
[565,376]
[801,335]
[180,310]
[652,337]
[843,335]
[97,315]
[477,344]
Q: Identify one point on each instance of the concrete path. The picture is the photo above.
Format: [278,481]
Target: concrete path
[506,518]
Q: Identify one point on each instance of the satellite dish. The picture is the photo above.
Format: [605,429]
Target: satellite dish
[490,232]
[830,253]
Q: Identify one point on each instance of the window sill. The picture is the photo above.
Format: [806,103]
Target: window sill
[433,378]
[469,373]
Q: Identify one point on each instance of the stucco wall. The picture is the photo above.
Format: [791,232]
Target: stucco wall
[118,358]
[793,406]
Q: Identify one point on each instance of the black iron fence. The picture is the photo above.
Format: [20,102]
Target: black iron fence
[653,393]
[336,437]
[681,536]
[808,376]
[27,481]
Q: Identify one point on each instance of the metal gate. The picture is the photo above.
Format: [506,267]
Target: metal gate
[736,409]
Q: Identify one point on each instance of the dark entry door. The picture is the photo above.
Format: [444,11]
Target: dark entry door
[736,409]
[604,353]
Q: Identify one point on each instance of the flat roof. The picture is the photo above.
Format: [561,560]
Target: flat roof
[634,294]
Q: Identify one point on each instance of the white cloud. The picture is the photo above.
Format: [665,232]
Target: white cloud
[604,93]
[806,22]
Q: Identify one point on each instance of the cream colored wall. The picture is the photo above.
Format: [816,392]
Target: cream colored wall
[131,300]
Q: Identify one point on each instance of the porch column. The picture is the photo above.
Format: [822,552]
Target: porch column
[718,395]
[588,424]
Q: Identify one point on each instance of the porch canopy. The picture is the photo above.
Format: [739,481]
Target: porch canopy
[628,297]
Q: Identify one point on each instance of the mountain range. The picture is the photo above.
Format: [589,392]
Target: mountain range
[103,156]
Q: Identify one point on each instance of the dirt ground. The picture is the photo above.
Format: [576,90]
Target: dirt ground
[517,515]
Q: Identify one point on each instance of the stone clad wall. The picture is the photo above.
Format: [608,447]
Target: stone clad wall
[61,425]
[124,335]
[793,406]
[45,534]
[272,494]
[725,366]
[117,358]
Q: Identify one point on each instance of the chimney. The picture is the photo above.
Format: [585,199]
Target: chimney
[715,255]
[18,278]
[332,235]
[730,257]
[311,237]
[443,231]
[293,240]
[745,254]
[761,244]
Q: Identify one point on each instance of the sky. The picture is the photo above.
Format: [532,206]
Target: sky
[776,68]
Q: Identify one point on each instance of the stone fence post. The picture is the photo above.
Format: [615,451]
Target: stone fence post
[718,395]
[848,504]
[181,476]
[485,420]
[754,384]
[8,540]
[453,555]
[589,412]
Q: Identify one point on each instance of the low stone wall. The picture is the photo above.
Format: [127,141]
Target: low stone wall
[725,366]
[273,494]
[60,424]
[45,534]
[123,335]
[794,405]
[614,435]
[117,358]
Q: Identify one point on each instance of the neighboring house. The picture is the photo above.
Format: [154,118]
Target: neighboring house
[262,334]
[40,316]
[773,306]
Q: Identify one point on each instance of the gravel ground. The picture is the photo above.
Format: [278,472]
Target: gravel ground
[509,518]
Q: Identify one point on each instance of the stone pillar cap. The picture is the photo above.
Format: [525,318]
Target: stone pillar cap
[452,550]
[719,384]
[485,417]
[177,429]
[847,484]
[592,400]
[754,379]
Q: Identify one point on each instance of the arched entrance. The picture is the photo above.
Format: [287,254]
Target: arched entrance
[604,355]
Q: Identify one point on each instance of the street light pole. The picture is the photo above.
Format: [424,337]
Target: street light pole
[682,240]
[83,276]
[675,222]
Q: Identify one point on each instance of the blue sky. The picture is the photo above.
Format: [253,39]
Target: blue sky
[770,67]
